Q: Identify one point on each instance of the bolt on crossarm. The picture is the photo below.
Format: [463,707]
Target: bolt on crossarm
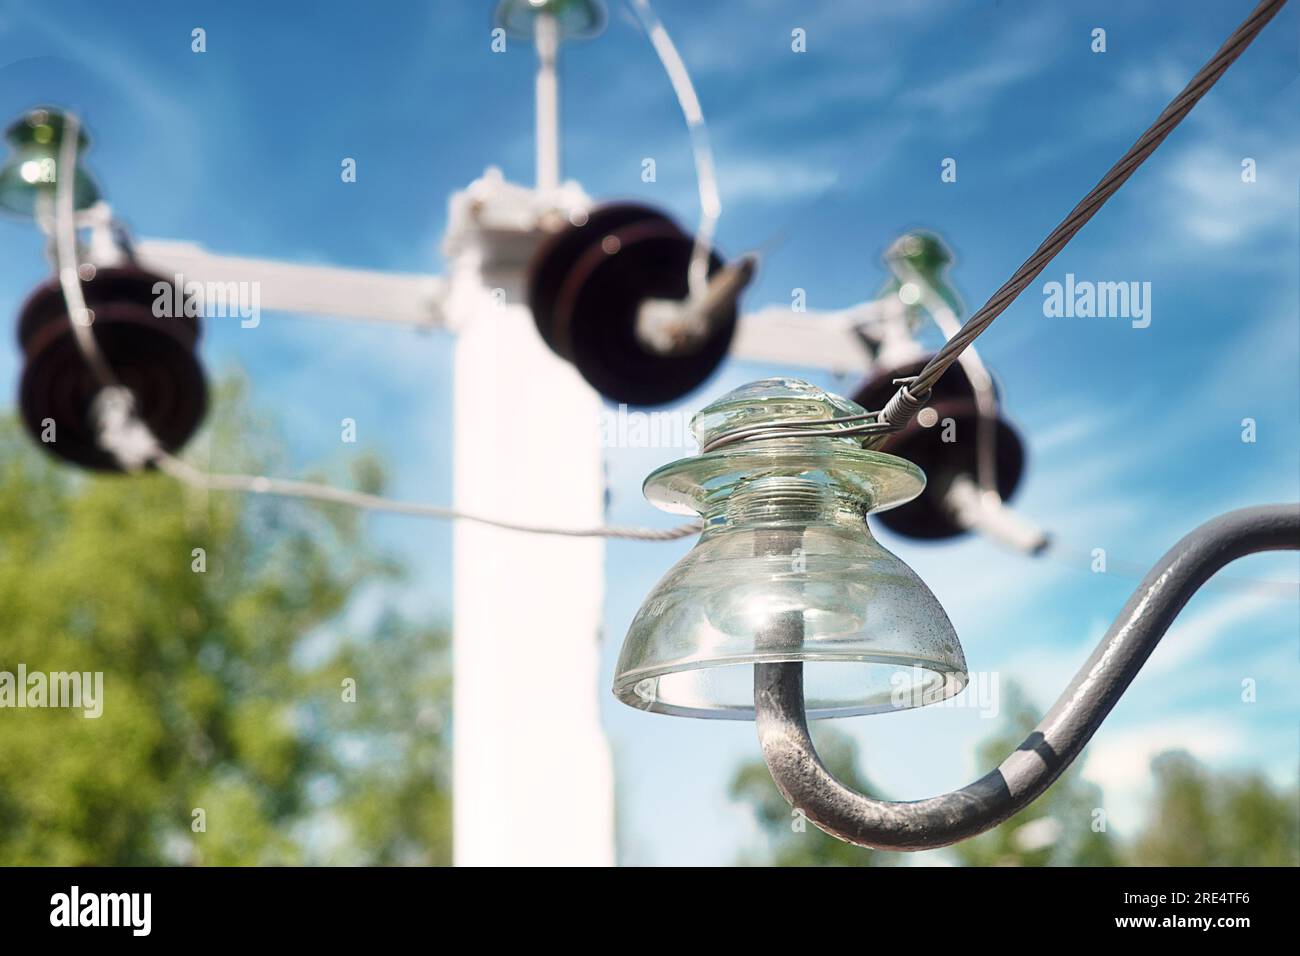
[1057,740]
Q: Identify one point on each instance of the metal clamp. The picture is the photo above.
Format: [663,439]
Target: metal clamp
[938,821]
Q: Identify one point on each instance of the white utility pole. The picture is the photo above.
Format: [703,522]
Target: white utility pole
[533,781]
[533,778]
[532,775]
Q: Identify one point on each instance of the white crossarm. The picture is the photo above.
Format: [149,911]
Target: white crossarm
[398,298]
[830,341]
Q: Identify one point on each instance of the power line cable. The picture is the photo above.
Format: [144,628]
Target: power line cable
[292,488]
[909,398]
[123,432]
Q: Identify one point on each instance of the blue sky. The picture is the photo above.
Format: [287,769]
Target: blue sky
[1133,434]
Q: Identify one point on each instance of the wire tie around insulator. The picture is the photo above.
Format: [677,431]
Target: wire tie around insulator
[900,409]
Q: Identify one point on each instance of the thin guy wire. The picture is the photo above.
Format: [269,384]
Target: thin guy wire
[291,488]
[67,264]
[697,273]
[1082,559]
[65,254]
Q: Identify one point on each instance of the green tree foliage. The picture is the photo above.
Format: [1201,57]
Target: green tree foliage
[793,840]
[223,675]
[1199,818]
[1061,828]
[392,767]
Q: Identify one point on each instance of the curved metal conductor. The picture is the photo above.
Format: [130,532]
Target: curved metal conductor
[1054,743]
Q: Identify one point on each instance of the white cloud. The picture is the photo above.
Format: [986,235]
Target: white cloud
[773,179]
[1119,760]
[1155,80]
[1045,668]
[1266,343]
[1008,59]
[878,25]
[972,89]
[1207,201]
[1212,622]
[1067,433]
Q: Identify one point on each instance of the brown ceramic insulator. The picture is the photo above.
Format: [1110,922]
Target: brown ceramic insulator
[953,398]
[597,312]
[555,258]
[152,356]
